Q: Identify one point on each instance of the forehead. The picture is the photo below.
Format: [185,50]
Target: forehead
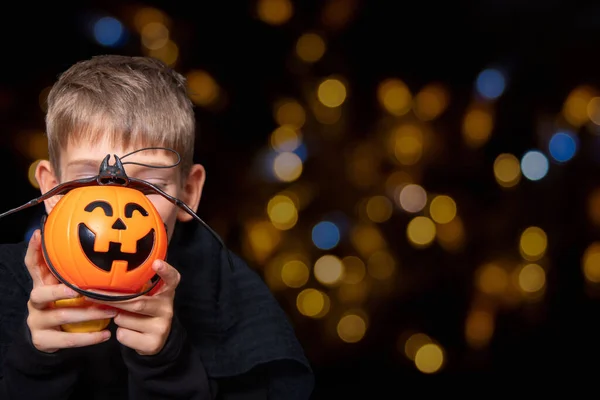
[78,155]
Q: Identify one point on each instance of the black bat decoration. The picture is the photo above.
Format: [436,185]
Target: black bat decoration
[114,175]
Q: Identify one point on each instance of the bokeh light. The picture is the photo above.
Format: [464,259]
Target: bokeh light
[295,273]
[394,96]
[442,209]
[591,263]
[534,165]
[429,358]
[421,231]
[329,270]
[274,12]
[431,101]
[562,146]
[310,47]
[507,170]
[477,127]
[313,303]
[533,243]
[332,92]
[413,198]
[287,166]
[326,235]
[351,328]
[108,31]
[379,208]
[491,83]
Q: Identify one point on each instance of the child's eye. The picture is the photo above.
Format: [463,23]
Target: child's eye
[161,185]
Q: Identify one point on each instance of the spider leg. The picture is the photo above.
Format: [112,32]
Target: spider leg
[57,190]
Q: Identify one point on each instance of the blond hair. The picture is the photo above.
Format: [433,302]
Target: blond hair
[134,101]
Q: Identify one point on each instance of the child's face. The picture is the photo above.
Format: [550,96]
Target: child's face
[83,161]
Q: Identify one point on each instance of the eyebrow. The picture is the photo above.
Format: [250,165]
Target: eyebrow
[84,163]
[96,163]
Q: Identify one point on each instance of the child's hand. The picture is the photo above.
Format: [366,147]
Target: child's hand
[44,321]
[144,323]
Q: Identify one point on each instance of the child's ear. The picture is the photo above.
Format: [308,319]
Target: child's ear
[46,178]
[192,191]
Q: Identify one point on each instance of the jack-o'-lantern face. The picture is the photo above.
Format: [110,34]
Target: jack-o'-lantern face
[105,237]
[125,237]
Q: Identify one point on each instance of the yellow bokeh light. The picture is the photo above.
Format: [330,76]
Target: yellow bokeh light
[407,144]
[533,243]
[285,138]
[477,127]
[413,344]
[272,275]
[379,209]
[337,13]
[479,328]
[591,263]
[507,170]
[331,92]
[451,236]
[367,239]
[31,174]
[33,144]
[381,265]
[148,15]
[351,328]
[263,238]
[492,279]
[532,278]
[169,53]
[354,269]
[593,110]
[203,89]
[394,96]
[575,107]
[274,12]
[313,303]
[154,35]
[429,358]
[412,198]
[329,270]
[310,47]
[421,231]
[287,166]
[294,274]
[442,209]
[290,112]
[431,101]
[282,212]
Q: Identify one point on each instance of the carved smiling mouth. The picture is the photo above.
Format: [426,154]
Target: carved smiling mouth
[104,260]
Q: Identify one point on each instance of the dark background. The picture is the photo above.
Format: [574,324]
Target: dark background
[547,47]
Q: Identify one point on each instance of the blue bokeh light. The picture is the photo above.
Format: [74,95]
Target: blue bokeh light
[534,165]
[108,31]
[562,146]
[326,235]
[491,83]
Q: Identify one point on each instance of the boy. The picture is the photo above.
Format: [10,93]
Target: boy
[211,331]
